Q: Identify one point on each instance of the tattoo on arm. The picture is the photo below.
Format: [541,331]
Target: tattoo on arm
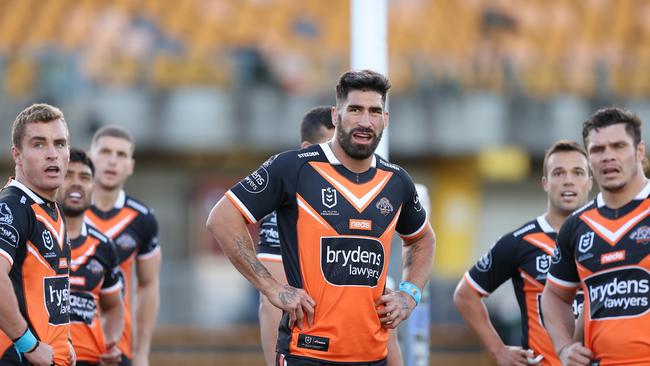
[288,295]
[408,258]
[244,250]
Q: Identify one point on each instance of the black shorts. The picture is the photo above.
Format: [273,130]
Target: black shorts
[282,360]
[125,361]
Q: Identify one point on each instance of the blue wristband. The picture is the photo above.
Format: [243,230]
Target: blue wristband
[26,342]
[412,290]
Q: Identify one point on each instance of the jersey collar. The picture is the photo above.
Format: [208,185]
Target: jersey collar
[543,223]
[121,200]
[27,191]
[329,154]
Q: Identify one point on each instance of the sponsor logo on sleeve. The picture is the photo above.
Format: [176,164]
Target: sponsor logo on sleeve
[557,255]
[257,181]
[57,299]
[82,307]
[586,242]
[328,197]
[352,261]
[485,262]
[416,202]
[6,217]
[619,293]
[9,235]
[641,235]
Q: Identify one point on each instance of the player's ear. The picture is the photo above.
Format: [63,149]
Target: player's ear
[334,113]
[640,151]
[16,155]
[304,144]
[545,184]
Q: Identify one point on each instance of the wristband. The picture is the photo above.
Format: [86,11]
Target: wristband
[411,290]
[26,343]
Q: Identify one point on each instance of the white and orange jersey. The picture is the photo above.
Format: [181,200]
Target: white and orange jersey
[335,230]
[606,252]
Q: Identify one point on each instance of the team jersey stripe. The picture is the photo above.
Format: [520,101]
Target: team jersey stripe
[152,254]
[530,279]
[473,284]
[305,206]
[242,208]
[82,259]
[116,287]
[562,283]
[7,257]
[360,203]
[266,257]
[34,252]
[605,228]
[542,241]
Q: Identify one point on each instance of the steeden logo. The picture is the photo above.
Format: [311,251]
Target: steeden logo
[357,224]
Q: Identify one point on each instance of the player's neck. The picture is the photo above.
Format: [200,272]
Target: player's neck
[621,198]
[353,165]
[47,194]
[105,199]
[555,218]
[73,226]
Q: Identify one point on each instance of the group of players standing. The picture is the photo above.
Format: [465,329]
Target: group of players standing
[336,204]
[69,238]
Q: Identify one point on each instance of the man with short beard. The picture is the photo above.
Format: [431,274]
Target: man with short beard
[338,205]
[603,248]
[95,286]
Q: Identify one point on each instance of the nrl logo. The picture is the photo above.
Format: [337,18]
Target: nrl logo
[543,263]
[586,242]
[384,206]
[47,240]
[328,196]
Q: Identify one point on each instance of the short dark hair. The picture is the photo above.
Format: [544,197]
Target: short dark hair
[562,146]
[312,121]
[40,112]
[605,117]
[113,131]
[364,80]
[80,156]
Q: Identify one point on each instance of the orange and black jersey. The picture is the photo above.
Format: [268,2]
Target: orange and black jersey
[133,228]
[268,248]
[605,251]
[525,257]
[33,240]
[335,231]
[94,271]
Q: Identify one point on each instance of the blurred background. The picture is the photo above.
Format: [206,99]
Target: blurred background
[211,88]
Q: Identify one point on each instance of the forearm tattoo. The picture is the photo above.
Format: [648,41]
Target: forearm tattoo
[288,295]
[244,251]
[409,255]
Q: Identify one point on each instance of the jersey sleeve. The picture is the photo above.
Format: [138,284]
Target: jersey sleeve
[262,191]
[15,226]
[413,218]
[495,267]
[112,276]
[563,271]
[150,245]
[268,232]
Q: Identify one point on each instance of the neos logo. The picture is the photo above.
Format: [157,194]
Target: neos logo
[57,299]
[352,261]
[619,293]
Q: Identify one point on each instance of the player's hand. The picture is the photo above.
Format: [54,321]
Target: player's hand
[43,355]
[393,307]
[575,354]
[514,356]
[296,302]
[112,355]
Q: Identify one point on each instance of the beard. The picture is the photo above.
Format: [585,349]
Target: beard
[615,188]
[73,211]
[356,151]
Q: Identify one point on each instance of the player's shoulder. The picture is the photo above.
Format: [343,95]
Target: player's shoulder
[529,227]
[137,205]
[398,171]
[299,157]
[14,200]
[575,215]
